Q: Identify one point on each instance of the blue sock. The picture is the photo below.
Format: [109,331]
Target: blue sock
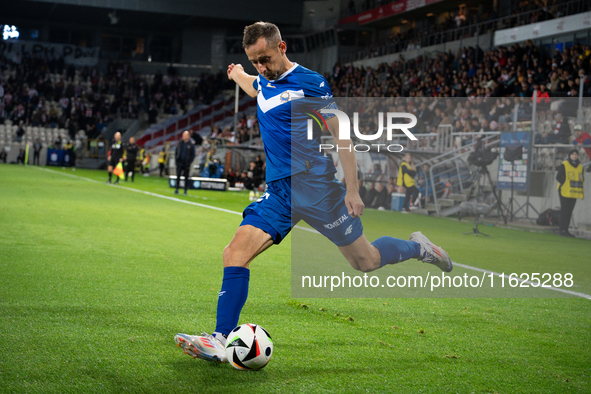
[394,250]
[232,298]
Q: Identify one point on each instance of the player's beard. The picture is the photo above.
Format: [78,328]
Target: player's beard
[272,75]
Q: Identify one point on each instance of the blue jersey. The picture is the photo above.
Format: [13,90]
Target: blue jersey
[287,149]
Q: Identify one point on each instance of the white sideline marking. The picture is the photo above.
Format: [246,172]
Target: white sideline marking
[141,191]
[582,295]
[469,267]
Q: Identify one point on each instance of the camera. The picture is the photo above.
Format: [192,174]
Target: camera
[482,156]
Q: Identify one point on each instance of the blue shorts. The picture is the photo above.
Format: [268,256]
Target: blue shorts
[319,201]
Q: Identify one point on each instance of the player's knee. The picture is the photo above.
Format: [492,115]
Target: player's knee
[366,268]
[228,254]
[363,263]
[233,257]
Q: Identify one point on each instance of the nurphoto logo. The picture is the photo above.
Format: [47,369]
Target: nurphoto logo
[345,129]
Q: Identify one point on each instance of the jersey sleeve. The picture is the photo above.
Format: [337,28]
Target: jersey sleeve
[255,84]
[315,85]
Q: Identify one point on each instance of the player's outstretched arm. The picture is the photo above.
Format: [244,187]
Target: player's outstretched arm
[349,162]
[237,74]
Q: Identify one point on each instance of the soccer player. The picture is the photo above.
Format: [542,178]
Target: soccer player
[268,220]
[115,156]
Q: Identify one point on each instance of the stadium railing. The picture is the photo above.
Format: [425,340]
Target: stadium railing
[464,139]
[199,119]
[449,173]
[96,148]
[546,157]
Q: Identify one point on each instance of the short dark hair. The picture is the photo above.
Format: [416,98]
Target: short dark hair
[253,32]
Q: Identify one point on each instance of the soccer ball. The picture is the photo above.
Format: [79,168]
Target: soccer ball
[249,347]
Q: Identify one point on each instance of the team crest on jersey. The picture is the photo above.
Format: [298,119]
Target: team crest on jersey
[284,97]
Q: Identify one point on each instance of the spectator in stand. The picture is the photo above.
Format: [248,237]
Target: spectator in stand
[57,144]
[255,173]
[196,137]
[382,198]
[259,162]
[184,156]
[561,132]
[152,114]
[246,182]
[362,190]
[232,177]
[582,140]
[20,132]
[370,195]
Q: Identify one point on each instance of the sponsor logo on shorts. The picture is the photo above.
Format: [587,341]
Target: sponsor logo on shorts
[349,229]
[337,222]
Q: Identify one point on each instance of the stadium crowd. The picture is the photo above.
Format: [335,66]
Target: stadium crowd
[502,72]
[478,92]
[247,129]
[46,92]
[490,83]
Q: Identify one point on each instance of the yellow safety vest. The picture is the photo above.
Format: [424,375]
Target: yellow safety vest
[162,158]
[408,180]
[573,185]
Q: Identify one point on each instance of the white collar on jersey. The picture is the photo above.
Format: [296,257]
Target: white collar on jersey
[286,73]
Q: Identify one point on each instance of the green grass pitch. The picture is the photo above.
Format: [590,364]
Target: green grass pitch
[96,280]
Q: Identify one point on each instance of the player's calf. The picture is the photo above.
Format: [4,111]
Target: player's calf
[362,255]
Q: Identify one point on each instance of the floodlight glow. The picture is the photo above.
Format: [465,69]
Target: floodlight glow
[10,32]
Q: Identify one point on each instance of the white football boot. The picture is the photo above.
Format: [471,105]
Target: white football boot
[431,253]
[204,346]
